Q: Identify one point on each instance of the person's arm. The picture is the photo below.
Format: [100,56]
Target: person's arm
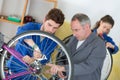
[110,44]
[29,41]
[93,62]
[89,65]
[56,69]
[36,51]
[25,27]
[112,47]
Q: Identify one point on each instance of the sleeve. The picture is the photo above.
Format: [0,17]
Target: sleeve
[112,51]
[25,28]
[22,49]
[92,62]
[47,47]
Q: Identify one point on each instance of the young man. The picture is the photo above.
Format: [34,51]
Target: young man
[88,51]
[52,21]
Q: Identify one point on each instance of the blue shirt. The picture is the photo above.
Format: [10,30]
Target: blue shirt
[109,39]
[46,46]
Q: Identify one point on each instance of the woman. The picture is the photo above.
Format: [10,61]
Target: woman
[102,28]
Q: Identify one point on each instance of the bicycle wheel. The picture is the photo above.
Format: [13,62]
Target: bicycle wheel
[107,66]
[39,69]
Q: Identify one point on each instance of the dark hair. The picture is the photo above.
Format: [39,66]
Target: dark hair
[82,18]
[106,18]
[56,15]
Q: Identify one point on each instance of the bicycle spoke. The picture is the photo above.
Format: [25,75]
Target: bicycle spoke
[49,44]
[20,66]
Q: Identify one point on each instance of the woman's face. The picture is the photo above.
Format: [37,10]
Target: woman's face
[105,27]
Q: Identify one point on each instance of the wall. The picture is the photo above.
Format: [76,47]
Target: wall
[11,7]
[39,8]
[8,30]
[35,8]
[115,74]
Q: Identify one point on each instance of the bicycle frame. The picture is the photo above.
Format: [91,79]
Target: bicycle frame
[19,57]
[14,67]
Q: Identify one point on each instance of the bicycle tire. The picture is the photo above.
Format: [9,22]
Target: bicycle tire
[38,33]
[107,66]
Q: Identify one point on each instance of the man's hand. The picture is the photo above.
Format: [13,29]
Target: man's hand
[28,59]
[37,54]
[36,51]
[61,75]
[56,69]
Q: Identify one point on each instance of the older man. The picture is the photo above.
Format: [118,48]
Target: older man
[88,51]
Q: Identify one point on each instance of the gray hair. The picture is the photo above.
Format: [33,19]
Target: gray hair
[82,18]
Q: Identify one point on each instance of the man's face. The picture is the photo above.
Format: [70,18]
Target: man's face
[78,30]
[50,26]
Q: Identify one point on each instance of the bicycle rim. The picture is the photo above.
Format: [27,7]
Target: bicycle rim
[60,47]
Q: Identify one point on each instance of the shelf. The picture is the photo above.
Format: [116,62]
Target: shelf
[51,0]
[4,20]
[24,12]
[54,1]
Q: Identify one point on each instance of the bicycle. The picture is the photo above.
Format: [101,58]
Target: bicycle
[35,70]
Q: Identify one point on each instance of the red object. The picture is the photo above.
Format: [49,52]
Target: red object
[28,19]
